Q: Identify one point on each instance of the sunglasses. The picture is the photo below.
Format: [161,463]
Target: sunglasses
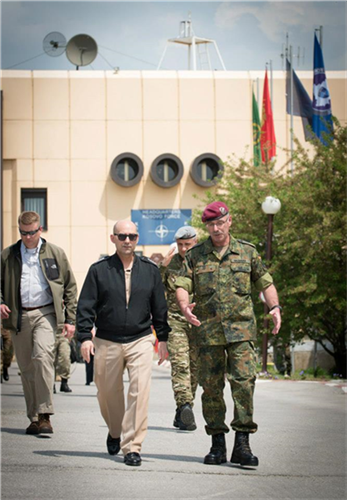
[123,237]
[29,233]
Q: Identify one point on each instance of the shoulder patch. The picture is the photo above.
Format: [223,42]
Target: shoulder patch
[246,243]
[148,260]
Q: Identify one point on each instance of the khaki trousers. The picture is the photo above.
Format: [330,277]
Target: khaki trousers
[34,349]
[110,361]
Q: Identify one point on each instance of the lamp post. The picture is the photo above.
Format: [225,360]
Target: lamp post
[270,207]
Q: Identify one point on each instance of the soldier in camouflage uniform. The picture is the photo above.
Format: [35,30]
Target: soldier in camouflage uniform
[6,353]
[219,271]
[181,345]
[62,361]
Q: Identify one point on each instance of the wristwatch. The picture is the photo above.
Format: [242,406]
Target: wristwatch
[274,307]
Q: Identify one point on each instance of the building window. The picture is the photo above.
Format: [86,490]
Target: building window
[207,169]
[167,170]
[127,169]
[35,200]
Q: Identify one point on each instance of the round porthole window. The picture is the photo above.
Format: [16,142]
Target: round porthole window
[167,170]
[127,169]
[207,169]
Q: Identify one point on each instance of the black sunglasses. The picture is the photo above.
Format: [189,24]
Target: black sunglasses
[29,233]
[123,237]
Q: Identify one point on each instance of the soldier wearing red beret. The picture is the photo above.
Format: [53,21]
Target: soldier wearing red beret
[219,272]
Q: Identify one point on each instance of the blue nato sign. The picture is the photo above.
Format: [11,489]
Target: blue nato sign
[158,227]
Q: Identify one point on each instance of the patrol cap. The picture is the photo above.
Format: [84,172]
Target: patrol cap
[214,211]
[185,232]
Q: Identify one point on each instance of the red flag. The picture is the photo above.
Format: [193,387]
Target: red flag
[267,138]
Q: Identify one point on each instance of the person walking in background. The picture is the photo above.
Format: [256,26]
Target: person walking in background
[219,272]
[181,345]
[123,296]
[38,300]
[6,353]
[62,361]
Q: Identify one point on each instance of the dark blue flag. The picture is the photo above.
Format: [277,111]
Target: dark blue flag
[321,121]
[302,104]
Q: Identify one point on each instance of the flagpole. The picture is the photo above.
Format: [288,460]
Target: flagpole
[321,36]
[258,91]
[271,86]
[291,110]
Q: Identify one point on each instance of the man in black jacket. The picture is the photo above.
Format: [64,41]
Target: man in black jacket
[123,296]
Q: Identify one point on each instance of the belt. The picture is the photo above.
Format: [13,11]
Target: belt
[37,307]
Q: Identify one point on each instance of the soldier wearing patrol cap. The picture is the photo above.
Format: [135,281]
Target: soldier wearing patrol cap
[181,345]
[219,272]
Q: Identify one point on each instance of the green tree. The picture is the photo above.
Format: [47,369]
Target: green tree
[309,243]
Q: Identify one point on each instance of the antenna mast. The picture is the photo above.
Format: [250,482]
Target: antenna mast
[187,37]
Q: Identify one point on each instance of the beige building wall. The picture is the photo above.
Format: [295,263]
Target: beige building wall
[62,130]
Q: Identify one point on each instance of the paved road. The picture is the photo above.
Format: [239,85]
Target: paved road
[301,445]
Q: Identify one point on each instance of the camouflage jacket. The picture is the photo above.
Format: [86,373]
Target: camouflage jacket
[222,290]
[169,275]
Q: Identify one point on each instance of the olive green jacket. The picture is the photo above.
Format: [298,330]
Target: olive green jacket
[58,273]
[222,290]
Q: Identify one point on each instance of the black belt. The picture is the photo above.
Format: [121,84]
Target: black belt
[37,307]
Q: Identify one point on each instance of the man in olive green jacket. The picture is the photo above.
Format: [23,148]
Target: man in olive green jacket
[38,299]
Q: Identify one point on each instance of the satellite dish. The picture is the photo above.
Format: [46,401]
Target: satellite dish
[54,44]
[81,50]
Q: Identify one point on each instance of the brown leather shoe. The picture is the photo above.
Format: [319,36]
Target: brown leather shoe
[45,426]
[33,428]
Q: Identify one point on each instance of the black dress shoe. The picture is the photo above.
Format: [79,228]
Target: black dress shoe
[132,459]
[113,445]
[5,374]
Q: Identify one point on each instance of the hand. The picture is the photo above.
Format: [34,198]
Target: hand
[87,348]
[68,331]
[162,352]
[276,318]
[5,311]
[190,317]
[168,257]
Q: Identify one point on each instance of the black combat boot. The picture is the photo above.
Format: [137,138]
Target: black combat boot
[64,387]
[242,453]
[218,451]
[176,422]
[187,413]
[5,374]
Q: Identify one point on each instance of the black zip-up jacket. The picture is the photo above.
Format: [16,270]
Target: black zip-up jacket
[102,302]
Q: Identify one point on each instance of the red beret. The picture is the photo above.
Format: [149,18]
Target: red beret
[214,211]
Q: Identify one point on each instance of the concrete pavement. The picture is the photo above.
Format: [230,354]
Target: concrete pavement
[301,445]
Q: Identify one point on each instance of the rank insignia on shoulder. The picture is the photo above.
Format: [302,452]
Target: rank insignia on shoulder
[246,243]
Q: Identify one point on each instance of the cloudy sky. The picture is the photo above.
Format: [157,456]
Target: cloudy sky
[133,35]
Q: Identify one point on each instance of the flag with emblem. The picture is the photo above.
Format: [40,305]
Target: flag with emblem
[256,133]
[267,137]
[322,123]
[302,104]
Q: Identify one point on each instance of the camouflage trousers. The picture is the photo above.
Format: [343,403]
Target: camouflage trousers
[183,353]
[62,361]
[6,348]
[239,357]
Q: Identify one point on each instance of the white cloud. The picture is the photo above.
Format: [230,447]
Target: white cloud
[276,18]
